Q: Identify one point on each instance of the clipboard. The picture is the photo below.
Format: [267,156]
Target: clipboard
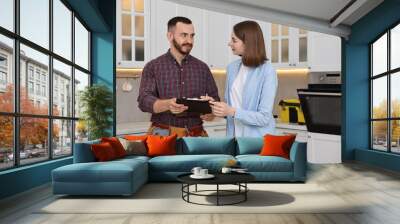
[195,105]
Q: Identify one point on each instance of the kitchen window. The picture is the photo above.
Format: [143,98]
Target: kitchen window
[384,91]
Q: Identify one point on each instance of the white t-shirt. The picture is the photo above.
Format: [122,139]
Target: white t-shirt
[237,96]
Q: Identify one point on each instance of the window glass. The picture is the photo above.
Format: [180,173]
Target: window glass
[379,98]
[126,25]
[6,74]
[62,138]
[81,82]
[379,135]
[7,14]
[303,49]
[139,6]
[34,21]
[126,5]
[62,29]
[62,91]
[6,142]
[139,26]
[126,50]
[395,47]
[33,139]
[285,50]
[379,56]
[139,50]
[39,62]
[81,45]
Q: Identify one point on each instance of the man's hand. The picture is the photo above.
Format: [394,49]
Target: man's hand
[207,117]
[176,108]
[168,105]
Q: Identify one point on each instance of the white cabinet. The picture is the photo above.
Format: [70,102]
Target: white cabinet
[133,42]
[217,36]
[289,46]
[142,30]
[325,53]
[323,148]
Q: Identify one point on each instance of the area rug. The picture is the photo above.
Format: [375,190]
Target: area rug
[167,198]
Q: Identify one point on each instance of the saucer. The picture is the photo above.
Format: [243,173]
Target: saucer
[208,176]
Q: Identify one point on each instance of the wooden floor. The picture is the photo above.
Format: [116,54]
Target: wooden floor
[378,188]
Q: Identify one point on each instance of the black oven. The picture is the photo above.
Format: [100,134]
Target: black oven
[321,105]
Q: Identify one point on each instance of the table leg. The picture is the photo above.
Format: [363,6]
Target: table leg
[217,194]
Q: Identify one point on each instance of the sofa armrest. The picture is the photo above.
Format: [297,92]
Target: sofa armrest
[83,152]
[298,155]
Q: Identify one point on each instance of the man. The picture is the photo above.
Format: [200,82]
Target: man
[176,74]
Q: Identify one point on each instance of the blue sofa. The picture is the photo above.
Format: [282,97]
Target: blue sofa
[125,176]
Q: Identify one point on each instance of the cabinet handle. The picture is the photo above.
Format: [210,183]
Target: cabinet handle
[220,129]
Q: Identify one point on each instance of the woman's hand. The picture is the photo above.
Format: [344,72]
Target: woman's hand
[221,109]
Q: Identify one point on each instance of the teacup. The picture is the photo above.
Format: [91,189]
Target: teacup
[196,171]
[203,172]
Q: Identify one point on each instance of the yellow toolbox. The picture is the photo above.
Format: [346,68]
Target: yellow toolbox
[290,111]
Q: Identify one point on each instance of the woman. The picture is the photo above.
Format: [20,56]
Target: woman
[250,86]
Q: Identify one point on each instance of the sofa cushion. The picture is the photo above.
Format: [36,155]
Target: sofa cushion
[134,147]
[103,152]
[116,145]
[249,145]
[277,145]
[185,163]
[161,145]
[257,163]
[112,171]
[207,145]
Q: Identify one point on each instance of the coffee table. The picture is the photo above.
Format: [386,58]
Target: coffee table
[238,179]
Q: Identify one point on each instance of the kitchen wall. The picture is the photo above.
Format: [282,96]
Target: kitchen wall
[127,110]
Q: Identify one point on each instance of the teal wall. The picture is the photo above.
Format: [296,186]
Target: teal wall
[356,100]
[99,16]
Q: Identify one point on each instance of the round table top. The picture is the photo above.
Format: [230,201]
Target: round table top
[220,178]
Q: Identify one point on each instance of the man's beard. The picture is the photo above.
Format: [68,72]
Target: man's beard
[180,47]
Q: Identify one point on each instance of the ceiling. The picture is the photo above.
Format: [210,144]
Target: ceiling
[326,16]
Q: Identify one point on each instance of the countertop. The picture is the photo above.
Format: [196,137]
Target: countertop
[142,127]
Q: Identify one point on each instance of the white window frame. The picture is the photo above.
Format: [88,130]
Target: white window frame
[146,37]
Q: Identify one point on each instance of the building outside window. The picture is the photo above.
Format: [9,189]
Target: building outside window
[385,92]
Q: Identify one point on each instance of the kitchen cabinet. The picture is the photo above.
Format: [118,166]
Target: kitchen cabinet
[324,53]
[286,47]
[133,42]
[217,36]
[289,46]
[323,148]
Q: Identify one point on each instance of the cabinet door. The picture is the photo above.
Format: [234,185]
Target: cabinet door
[280,45]
[133,23]
[161,12]
[325,52]
[197,16]
[218,34]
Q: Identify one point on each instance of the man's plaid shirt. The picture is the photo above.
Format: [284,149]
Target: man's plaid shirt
[164,78]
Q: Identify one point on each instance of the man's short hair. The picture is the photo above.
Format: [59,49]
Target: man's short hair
[172,22]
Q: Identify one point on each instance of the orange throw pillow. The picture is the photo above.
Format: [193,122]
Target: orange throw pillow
[275,145]
[116,145]
[103,152]
[161,145]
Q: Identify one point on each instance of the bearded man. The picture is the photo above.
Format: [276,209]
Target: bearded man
[176,74]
